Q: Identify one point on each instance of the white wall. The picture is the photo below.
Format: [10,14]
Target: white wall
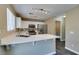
[24,24]
[50,25]
[72,30]
[59,18]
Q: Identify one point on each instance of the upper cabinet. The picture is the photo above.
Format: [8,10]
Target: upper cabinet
[25,24]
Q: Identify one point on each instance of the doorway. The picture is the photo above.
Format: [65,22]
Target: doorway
[57,28]
[60,28]
[60,31]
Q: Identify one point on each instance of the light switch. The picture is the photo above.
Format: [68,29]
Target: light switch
[71,32]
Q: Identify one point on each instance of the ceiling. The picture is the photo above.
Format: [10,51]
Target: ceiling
[42,11]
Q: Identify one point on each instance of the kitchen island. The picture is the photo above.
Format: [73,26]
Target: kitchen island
[40,44]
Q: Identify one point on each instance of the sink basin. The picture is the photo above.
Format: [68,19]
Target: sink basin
[23,35]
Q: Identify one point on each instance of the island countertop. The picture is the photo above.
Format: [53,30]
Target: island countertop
[13,39]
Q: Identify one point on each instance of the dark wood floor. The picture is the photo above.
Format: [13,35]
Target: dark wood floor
[60,50]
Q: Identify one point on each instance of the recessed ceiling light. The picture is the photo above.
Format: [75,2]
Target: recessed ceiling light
[64,16]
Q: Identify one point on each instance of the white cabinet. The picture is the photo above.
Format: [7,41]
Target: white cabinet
[25,24]
[18,22]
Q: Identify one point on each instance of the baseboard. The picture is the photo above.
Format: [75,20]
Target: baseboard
[72,50]
[51,53]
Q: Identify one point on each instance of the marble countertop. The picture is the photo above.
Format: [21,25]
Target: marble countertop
[13,39]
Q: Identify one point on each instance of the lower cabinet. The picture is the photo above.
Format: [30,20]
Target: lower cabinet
[42,47]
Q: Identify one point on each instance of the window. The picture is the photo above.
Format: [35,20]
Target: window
[10,20]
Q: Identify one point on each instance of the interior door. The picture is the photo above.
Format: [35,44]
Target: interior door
[58,28]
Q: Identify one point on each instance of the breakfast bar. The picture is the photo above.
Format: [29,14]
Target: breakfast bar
[41,44]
